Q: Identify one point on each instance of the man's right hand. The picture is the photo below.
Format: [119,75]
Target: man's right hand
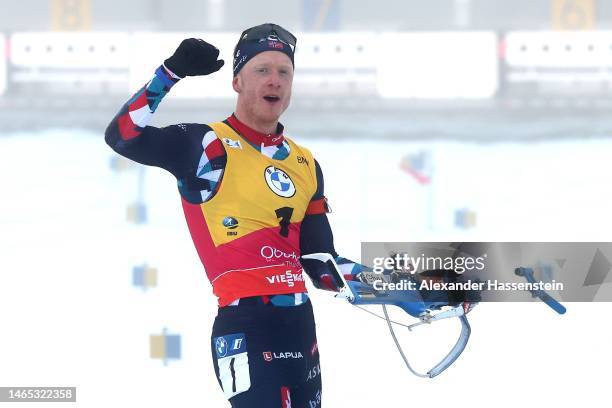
[194,57]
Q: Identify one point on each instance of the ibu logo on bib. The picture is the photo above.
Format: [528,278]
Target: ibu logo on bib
[279,182]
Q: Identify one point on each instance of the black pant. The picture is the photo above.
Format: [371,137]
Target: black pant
[267,356]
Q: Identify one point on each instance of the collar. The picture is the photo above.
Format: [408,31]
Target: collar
[255,137]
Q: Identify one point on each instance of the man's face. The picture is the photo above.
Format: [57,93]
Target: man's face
[264,86]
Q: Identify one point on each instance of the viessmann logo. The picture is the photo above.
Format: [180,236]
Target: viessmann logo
[289,278]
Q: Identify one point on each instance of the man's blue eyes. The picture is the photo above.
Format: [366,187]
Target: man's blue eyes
[266,70]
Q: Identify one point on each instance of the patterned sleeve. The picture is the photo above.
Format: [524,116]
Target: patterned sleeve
[130,136]
[191,152]
[204,183]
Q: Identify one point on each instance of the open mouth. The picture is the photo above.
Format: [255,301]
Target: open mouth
[271,98]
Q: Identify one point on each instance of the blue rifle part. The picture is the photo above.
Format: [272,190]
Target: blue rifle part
[527,273]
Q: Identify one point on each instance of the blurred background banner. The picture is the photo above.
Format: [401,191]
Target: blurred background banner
[475,61]
[433,121]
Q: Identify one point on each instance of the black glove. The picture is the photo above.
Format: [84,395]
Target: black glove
[194,57]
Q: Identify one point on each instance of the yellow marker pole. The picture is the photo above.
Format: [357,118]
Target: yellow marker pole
[573,14]
[322,14]
[71,15]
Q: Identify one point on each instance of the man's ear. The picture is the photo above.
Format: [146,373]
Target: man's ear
[237,83]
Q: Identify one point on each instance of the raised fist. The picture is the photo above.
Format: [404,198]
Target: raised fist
[194,57]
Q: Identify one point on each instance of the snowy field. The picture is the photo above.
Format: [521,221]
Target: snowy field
[71,317]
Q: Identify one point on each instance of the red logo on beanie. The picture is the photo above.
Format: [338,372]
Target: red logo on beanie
[276,45]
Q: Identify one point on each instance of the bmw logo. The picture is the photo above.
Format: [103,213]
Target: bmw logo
[230,222]
[221,346]
[279,182]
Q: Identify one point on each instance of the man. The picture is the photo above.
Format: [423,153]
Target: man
[254,202]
